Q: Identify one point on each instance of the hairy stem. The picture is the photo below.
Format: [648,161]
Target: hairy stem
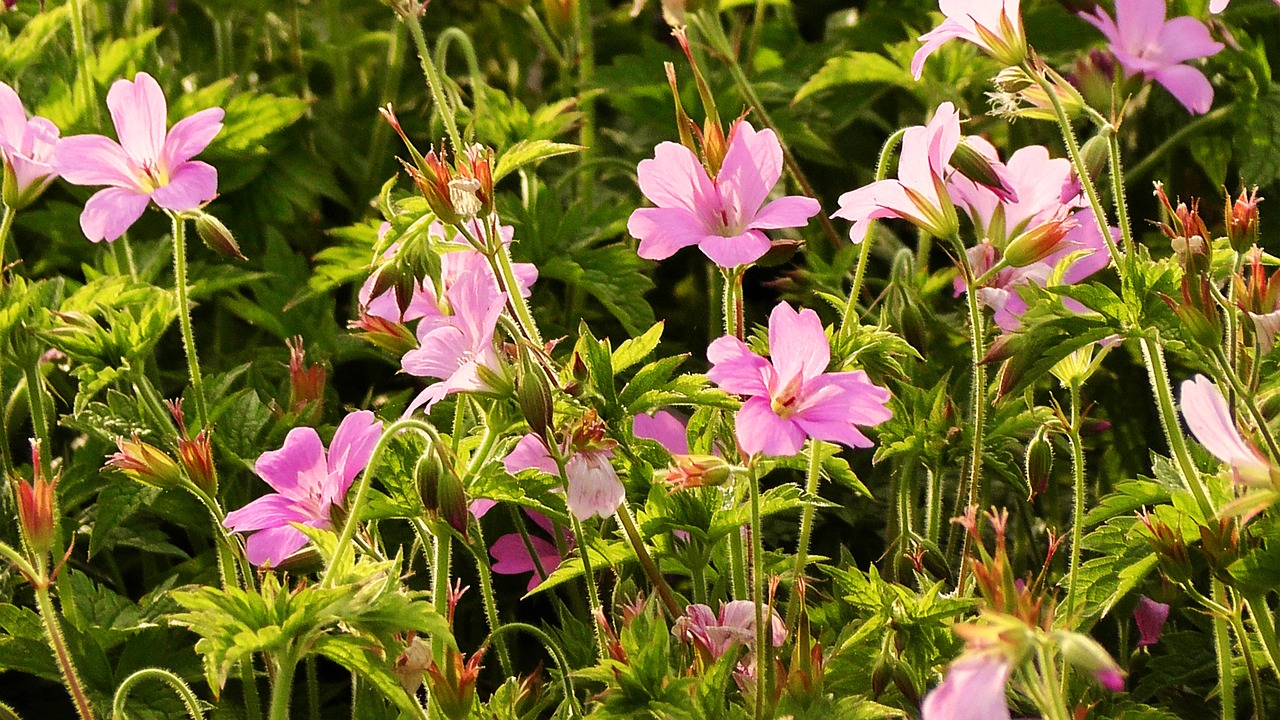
[557,656]
[978,391]
[184,317]
[58,643]
[1077,513]
[434,85]
[282,688]
[864,253]
[646,560]
[764,646]
[183,691]
[812,476]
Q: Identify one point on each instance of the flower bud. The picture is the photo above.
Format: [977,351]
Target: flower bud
[217,236]
[1201,319]
[197,460]
[979,168]
[1039,462]
[394,337]
[691,471]
[1086,655]
[441,491]
[37,507]
[1039,242]
[306,382]
[1097,153]
[1242,220]
[453,688]
[534,395]
[145,463]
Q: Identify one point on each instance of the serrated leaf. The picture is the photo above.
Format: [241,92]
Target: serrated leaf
[527,152]
[635,349]
[854,68]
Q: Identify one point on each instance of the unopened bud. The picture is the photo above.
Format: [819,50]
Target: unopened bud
[1242,220]
[441,492]
[1087,656]
[1039,242]
[197,459]
[533,393]
[306,382]
[396,338]
[217,236]
[971,163]
[1097,153]
[691,471]
[1039,462]
[145,463]
[453,688]
[37,514]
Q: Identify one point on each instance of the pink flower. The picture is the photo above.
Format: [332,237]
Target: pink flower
[27,148]
[1146,44]
[723,215]
[512,556]
[594,487]
[453,264]
[455,348]
[1209,419]
[791,396]
[974,689]
[993,25]
[1217,6]
[919,194]
[1150,617]
[735,625]
[308,482]
[664,427]
[146,165]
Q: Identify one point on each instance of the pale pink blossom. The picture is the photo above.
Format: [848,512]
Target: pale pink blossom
[919,194]
[308,481]
[27,147]
[974,689]
[734,626]
[147,165]
[458,348]
[725,216]
[791,396]
[511,555]
[593,484]
[1207,415]
[1146,44]
[993,25]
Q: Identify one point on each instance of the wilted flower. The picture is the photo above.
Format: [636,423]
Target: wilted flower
[27,149]
[1146,44]
[724,215]
[309,480]
[593,484]
[993,25]
[1150,617]
[791,396]
[147,164]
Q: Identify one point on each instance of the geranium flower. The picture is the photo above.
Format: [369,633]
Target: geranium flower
[511,555]
[791,397]
[919,194]
[663,427]
[27,148]
[735,625]
[993,25]
[1150,617]
[724,216]
[594,487]
[455,347]
[974,689]
[1209,419]
[1146,44]
[147,165]
[308,481]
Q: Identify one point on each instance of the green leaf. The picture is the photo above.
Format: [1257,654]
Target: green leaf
[370,663]
[19,52]
[854,68]
[1258,139]
[526,152]
[636,349]
[252,118]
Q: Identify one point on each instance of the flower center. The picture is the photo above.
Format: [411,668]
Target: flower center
[785,401]
[153,176]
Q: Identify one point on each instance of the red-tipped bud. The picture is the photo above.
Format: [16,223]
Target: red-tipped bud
[394,337]
[306,382]
[691,471]
[217,236]
[196,455]
[37,514]
[145,463]
[1242,220]
[1039,242]
[453,687]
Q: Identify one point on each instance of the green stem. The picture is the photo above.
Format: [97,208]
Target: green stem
[282,688]
[180,687]
[542,36]
[478,551]
[501,258]
[1266,628]
[764,644]
[1117,192]
[433,81]
[864,253]
[1153,354]
[1077,514]
[698,579]
[20,562]
[6,225]
[812,476]
[978,391]
[646,561]
[313,688]
[1222,646]
[557,656]
[440,589]
[184,317]
[80,43]
[57,642]
[585,38]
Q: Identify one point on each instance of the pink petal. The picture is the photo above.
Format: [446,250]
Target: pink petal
[140,114]
[13,117]
[481,507]
[750,169]
[730,252]
[674,178]
[530,454]
[268,511]
[110,212]
[1140,22]
[298,469]
[1189,86]
[1209,419]
[512,557]
[1186,38]
[736,369]
[760,430]
[594,487]
[798,346]
[274,545]
[95,160]
[1150,617]
[663,231]
[1217,6]
[785,212]
[872,202]
[190,185]
[934,39]
[190,136]
[974,689]
[665,428]
[352,447]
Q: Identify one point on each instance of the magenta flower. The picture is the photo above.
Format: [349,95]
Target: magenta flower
[308,482]
[993,25]
[723,215]
[511,556]
[147,165]
[974,689]
[734,626]
[1207,415]
[664,427]
[27,148]
[455,348]
[1146,44]
[453,264]
[919,194]
[1150,617]
[791,396]
[594,487]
